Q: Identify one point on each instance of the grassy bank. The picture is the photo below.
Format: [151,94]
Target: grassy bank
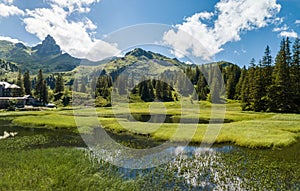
[247,129]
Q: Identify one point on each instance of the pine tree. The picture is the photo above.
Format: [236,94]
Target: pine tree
[281,94]
[20,83]
[267,81]
[216,88]
[39,86]
[257,89]
[245,92]
[238,91]
[248,87]
[202,88]
[44,93]
[159,90]
[41,89]
[27,83]
[197,75]
[295,74]
[59,84]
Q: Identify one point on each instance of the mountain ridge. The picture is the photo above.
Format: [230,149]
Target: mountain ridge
[49,57]
[46,56]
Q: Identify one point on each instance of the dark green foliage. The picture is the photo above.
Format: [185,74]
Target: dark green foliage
[27,83]
[202,88]
[41,89]
[281,97]
[6,67]
[295,73]
[216,88]
[146,91]
[231,77]
[59,84]
[20,84]
[104,88]
[273,88]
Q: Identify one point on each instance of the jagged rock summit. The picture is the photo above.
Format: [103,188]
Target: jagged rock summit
[138,52]
[48,47]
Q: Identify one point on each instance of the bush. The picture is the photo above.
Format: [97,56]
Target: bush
[101,102]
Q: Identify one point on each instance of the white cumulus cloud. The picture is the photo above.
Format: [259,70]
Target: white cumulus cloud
[290,34]
[9,10]
[279,29]
[74,37]
[74,5]
[233,17]
[8,1]
[297,22]
[6,38]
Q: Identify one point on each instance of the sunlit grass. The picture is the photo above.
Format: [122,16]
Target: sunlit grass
[248,129]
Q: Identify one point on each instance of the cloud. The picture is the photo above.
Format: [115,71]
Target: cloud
[188,62]
[80,6]
[291,34]
[74,37]
[6,38]
[8,1]
[297,22]
[239,52]
[9,10]
[279,29]
[233,17]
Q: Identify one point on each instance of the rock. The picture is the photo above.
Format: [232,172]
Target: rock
[6,135]
[48,47]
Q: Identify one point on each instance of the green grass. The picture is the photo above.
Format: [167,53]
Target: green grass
[55,169]
[247,129]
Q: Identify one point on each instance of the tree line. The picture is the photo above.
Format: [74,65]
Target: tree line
[273,85]
[267,85]
[43,89]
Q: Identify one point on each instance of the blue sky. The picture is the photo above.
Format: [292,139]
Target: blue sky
[231,30]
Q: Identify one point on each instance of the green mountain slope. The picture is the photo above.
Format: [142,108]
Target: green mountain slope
[46,56]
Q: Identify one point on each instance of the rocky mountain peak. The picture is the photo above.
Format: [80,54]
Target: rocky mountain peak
[138,52]
[48,47]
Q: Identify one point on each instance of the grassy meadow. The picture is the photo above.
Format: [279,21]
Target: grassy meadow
[49,154]
[247,129]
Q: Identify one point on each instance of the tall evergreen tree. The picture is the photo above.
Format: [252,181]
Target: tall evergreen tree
[44,95]
[280,90]
[59,84]
[238,92]
[295,73]
[258,90]
[248,87]
[41,89]
[202,88]
[27,83]
[159,90]
[245,92]
[20,83]
[267,81]
[216,88]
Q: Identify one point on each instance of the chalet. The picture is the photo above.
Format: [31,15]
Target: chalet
[11,94]
[9,90]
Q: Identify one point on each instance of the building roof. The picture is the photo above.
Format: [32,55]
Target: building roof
[9,86]
[15,98]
